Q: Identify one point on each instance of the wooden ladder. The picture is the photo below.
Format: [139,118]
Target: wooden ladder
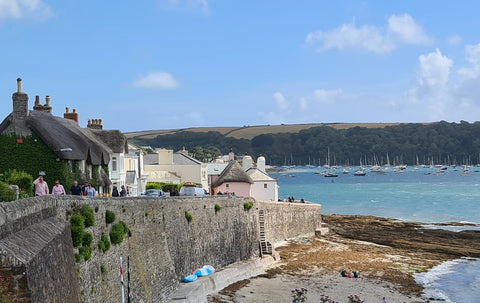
[265,246]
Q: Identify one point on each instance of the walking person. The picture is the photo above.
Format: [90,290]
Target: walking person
[76,190]
[58,189]
[91,192]
[41,187]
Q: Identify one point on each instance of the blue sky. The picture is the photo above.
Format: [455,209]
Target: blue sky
[161,64]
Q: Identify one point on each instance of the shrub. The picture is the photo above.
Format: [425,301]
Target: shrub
[87,213]
[125,227]
[247,205]
[104,243]
[188,216]
[87,239]
[86,252]
[20,178]
[6,193]
[109,216]
[78,258]
[77,228]
[217,208]
[118,232]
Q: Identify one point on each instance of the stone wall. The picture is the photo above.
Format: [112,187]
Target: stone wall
[285,220]
[162,247]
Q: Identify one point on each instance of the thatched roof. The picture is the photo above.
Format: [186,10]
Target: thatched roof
[114,139]
[67,139]
[232,173]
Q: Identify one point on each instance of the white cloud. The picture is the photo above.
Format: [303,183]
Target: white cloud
[348,35]
[327,96]
[434,70]
[160,80]
[407,30]
[281,101]
[23,9]
[401,29]
[454,40]
[188,4]
[472,53]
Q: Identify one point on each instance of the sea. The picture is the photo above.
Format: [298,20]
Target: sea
[422,194]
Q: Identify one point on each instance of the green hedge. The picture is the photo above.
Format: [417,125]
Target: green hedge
[163,186]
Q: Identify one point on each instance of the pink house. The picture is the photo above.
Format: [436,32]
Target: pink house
[233,180]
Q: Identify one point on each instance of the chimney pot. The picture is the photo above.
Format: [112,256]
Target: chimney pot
[37,100]
[19,85]
[67,110]
[75,110]
[47,99]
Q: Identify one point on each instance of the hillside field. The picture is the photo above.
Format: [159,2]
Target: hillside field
[249,132]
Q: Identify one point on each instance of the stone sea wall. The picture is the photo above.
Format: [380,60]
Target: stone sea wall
[162,247]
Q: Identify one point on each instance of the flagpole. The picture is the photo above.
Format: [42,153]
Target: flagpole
[121,280]
[128,280]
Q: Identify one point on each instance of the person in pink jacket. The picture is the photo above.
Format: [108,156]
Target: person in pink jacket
[41,187]
[58,189]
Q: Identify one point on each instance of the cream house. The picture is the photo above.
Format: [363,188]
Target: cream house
[174,167]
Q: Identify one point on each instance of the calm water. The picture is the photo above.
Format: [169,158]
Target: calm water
[413,195]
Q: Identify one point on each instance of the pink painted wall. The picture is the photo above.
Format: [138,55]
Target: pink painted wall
[241,189]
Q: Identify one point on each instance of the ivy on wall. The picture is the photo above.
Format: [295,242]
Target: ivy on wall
[32,155]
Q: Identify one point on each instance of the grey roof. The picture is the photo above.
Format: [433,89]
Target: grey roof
[232,173]
[215,169]
[181,158]
[258,175]
[150,159]
[59,133]
[130,177]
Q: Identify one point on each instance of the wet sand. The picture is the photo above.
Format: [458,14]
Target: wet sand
[387,253]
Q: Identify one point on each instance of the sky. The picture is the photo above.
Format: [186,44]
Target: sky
[168,64]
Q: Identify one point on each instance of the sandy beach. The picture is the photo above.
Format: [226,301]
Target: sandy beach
[387,263]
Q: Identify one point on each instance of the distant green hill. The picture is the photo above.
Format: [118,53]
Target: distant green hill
[249,132]
[440,142]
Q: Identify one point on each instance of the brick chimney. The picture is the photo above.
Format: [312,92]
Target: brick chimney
[95,124]
[42,108]
[71,115]
[20,102]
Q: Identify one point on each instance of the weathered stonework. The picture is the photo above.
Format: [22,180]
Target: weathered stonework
[162,247]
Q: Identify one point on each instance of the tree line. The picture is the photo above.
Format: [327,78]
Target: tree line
[410,143]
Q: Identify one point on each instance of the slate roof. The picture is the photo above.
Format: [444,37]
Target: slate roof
[130,177]
[232,173]
[180,158]
[150,159]
[258,175]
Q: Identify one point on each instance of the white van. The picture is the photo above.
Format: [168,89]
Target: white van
[192,191]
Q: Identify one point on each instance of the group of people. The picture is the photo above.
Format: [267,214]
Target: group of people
[41,189]
[348,274]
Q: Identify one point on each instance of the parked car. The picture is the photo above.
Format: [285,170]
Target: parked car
[153,193]
[192,191]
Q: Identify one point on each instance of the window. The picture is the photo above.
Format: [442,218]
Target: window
[114,163]
[265,185]
[227,185]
